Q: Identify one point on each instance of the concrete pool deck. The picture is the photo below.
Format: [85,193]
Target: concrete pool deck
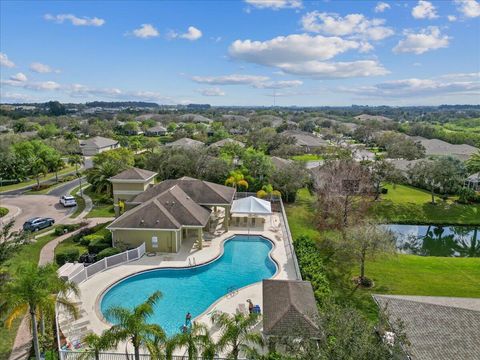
[92,290]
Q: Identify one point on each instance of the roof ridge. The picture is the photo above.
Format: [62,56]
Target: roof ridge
[188,199]
[165,211]
[209,184]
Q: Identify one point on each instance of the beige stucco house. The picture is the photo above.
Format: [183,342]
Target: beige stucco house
[166,214]
[130,183]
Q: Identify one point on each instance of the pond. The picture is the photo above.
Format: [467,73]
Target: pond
[435,240]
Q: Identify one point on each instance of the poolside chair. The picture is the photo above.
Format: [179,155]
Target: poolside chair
[242,309]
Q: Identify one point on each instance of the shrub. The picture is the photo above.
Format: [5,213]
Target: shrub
[384,191]
[60,229]
[85,241]
[107,252]
[3,211]
[67,255]
[311,266]
[97,243]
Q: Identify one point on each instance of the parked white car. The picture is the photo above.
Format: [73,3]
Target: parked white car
[68,200]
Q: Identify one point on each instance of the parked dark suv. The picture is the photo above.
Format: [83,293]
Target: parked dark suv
[37,223]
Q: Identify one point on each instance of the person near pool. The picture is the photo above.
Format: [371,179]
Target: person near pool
[188,318]
[250,306]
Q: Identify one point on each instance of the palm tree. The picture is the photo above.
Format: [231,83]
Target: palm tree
[35,289]
[37,168]
[267,190]
[473,163]
[95,343]
[99,177]
[131,324]
[77,160]
[237,334]
[56,163]
[196,339]
[236,179]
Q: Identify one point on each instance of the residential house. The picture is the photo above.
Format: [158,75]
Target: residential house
[436,147]
[185,143]
[280,163]
[96,145]
[157,130]
[170,212]
[437,328]
[130,183]
[221,143]
[307,141]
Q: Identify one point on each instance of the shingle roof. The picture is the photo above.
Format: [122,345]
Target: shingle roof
[157,128]
[185,142]
[437,328]
[365,117]
[223,142]
[99,142]
[279,162]
[202,192]
[172,209]
[134,174]
[289,308]
[440,147]
[305,139]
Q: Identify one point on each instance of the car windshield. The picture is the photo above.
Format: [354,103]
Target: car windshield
[68,197]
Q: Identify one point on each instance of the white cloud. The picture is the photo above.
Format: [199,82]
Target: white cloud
[452,18]
[146,31]
[42,68]
[449,84]
[354,25]
[428,39]
[291,48]
[335,70]
[469,8]
[275,4]
[15,97]
[424,10]
[282,84]
[42,85]
[192,34]
[381,7]
[21,77]
[212,92]
[76,21]
[5,61]
[234,79]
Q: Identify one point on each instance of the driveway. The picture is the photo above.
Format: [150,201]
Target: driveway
[28,206]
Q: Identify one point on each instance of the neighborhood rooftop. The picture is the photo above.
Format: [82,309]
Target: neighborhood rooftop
[202,192]
[171,209]
[134,174]
[185,142]
[437,328]
[99,142]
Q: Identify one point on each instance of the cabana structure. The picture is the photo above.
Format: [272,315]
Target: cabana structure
[252,207]
[473,182]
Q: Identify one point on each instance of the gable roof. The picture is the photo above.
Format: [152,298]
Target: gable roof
[437,328]
[289,308]
[171,209]
[202,192]
[98,142]
[157,128]
[443,148]
[223,142]
[251,205]
[304,138]
[134,174]
[185,142]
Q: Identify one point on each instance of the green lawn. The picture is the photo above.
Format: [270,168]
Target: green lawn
[307,157]
[406,204]
[28,253]
[49,176]
[400,274]
[99,209]
[3,211]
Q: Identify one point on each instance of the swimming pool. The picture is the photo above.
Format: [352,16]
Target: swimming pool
[245,260]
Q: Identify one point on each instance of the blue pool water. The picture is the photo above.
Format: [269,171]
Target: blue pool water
[245,260]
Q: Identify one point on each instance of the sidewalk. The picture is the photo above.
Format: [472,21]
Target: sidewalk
[23,340]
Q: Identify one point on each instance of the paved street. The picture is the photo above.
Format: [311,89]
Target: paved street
[28,206]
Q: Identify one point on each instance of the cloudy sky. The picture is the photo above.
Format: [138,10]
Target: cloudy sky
[250,52]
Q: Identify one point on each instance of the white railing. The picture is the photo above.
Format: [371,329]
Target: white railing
[108,262]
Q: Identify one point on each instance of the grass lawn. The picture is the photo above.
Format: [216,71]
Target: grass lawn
[99,209]
[406,204]
[400,274]
[307,157]
[28,253]
[3,211]
[49,176]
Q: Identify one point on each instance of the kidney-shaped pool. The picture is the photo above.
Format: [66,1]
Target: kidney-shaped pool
[245,260]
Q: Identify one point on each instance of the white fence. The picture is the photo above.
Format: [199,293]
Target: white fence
[84,273]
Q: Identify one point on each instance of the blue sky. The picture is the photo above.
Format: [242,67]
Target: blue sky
[305,53]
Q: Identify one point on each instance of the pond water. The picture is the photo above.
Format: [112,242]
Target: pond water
[435,240]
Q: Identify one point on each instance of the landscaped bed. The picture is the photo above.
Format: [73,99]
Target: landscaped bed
[102,206]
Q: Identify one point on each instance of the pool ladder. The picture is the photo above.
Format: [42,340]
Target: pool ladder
[192,261]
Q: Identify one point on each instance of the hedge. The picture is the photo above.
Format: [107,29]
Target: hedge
[107,252]
[312,267]
[97,243]
[67,255]
[60,229]
[3,211]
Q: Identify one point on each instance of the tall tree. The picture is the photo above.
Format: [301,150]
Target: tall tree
[236,179]
[237,335]
[196,340]
[35,289]
[77,161]
[132,324]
